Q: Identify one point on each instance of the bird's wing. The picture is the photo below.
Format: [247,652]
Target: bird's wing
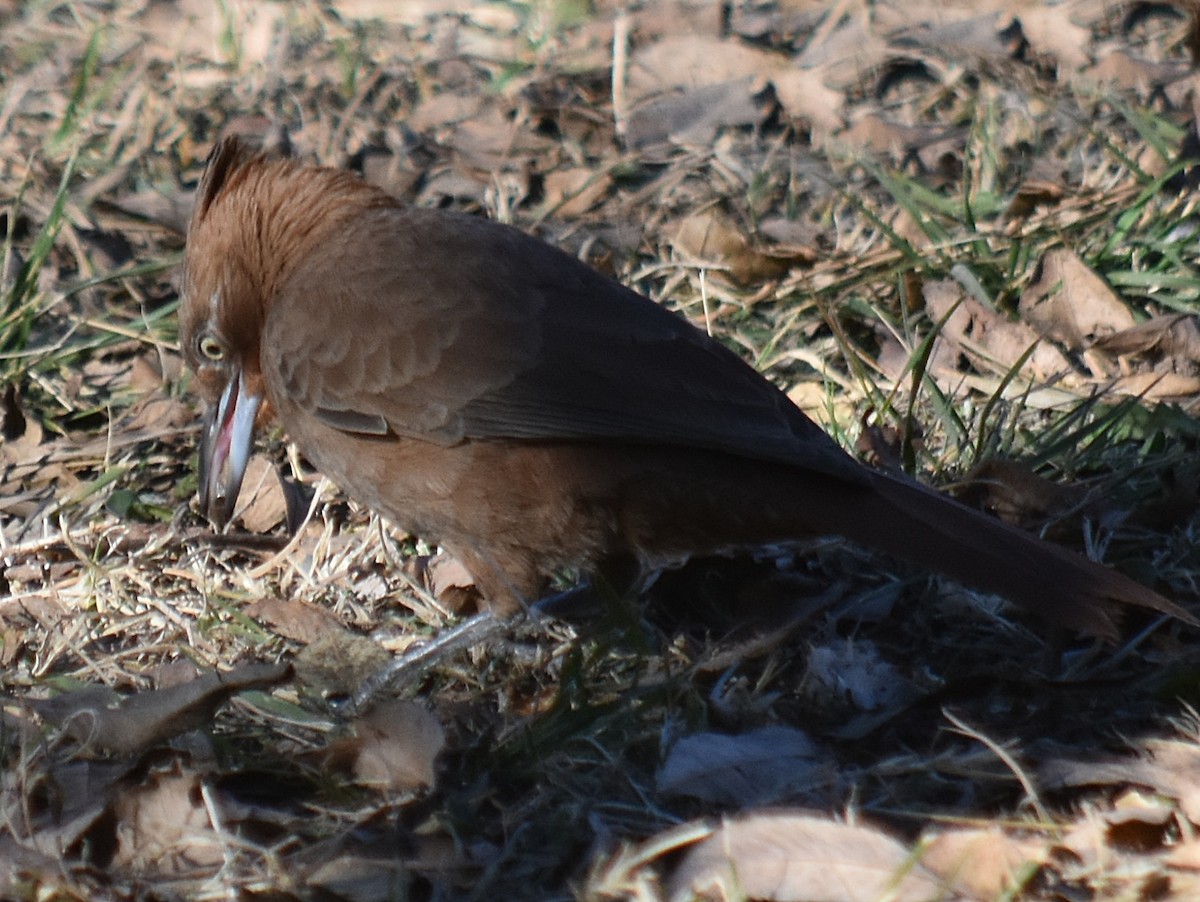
[446,327]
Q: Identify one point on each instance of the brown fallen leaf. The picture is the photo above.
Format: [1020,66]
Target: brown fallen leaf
[987,338]
[156,414]
[1143,826]
[1052,32]
[936,148]
[445,573]
[293,619]
[394,748]
[851,47]
[711,238]
[440,109]
[153,371]
[1069,303]
[798,857]
[572,192]
[693,116]
[934,30]
[1168,344]
[984,863]
[1169,767]
[1139,823]
[492,142]
[83,791]
[1185,855]
[803,95]
[1013,491]
[97,717]
[164,826]
[1118,67]
[1158,387]
[1034,193]
[22,436]
[262,503]
[685,61]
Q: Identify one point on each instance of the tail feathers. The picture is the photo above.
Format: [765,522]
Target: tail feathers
[934,531]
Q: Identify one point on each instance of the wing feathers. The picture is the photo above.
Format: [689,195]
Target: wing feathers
[518,340]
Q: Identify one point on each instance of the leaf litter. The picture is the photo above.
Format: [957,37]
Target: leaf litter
[827,186]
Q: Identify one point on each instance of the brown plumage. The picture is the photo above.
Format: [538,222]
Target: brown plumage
[494,394]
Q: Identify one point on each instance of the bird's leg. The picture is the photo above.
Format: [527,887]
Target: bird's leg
[472,631]
[578,601]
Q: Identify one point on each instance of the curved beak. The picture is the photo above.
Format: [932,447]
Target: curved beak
[225,444]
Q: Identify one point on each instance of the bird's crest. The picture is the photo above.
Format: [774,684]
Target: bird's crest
[227,155]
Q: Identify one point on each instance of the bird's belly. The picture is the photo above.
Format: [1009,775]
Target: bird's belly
[516,511]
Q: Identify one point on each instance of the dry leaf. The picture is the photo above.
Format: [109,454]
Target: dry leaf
[293,619]
[446,573]
[932,146]
[97,717]
[151,371]
[803,95]
[1138,824]
[784,857]
[1166,344]
[874,134]
[1050,31]
[397,745]
[163,826]
[262,504]
[1169,767]
[22,439]
[156,415]
[987,338]
[814,399]
[983,864]
[394,748]
[694,116]
[1013,491]
[680,62]
[1069,303]
[1158,387]
[710,238]
[444,108]
[962,32]
[1035,193]
[1118,68]
[572,192]
[853,47]
[761,766]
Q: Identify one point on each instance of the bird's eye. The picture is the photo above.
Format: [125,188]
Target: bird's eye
[211,348]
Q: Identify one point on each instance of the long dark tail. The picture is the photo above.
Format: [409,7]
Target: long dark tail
[934,531]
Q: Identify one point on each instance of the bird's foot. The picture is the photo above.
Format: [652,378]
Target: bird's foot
[576,603]
[414,662]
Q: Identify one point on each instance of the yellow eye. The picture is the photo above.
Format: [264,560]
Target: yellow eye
[211,348]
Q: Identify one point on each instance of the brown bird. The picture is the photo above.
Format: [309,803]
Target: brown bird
[490,392]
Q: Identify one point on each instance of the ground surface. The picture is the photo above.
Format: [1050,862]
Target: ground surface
[883,206]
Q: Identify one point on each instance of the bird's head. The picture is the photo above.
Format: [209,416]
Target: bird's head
[221,317]
[261,231]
